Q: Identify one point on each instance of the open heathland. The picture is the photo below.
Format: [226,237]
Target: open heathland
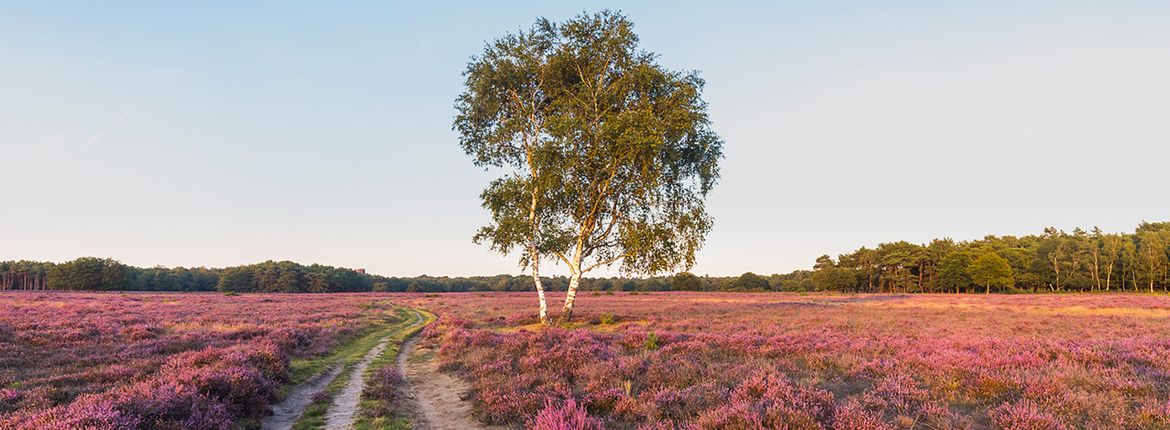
[169,361]
[765,361]
[628,361]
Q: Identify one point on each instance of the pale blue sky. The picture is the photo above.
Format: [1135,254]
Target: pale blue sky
[223,133]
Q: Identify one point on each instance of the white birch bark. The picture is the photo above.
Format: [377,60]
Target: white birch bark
[571,295]
[539,286]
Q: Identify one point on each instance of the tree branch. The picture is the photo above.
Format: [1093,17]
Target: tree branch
[562,257]
[604,263]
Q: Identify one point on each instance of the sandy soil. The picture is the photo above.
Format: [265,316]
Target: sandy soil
[285,413]
[436,400]
[437,397]
[345,404]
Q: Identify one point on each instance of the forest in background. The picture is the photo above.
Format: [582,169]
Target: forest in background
[1054,261]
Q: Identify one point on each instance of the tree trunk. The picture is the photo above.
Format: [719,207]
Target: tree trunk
[534,254]
[1096,271]
[1056,270]
[920,288]
[571,295]
[539,284]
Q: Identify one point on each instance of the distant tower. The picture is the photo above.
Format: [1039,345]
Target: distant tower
[362,271]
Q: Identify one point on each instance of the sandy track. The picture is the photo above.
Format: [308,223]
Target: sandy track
[438,398]
[345,404]
[285,413]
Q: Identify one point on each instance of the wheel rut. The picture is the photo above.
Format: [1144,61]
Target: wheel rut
[437,398]
[286,412]
[346,404]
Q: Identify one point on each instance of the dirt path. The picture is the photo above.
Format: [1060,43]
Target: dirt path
[285,413]
[437,396]
[345,404]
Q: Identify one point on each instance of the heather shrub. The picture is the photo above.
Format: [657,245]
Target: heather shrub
[682,404]
[1024,415]
[1153,417]
[164,361]
[702,360]
[173,405]
[520,319]
[853,416]
[242,390]
[7,335]
[383,388]
[564,416]
[323,396]
[607,319]
[383,384]
[85,415]
[651,343]
[768,401]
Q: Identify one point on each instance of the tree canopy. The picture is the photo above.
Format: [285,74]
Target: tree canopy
[605,156]
[1055,261]
[991,270]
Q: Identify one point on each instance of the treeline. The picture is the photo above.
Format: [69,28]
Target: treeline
[104,274]
[1054,261]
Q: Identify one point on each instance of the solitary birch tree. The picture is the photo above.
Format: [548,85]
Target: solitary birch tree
[605,156]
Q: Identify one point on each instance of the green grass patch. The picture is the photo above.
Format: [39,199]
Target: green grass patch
[382,423]
[302,369]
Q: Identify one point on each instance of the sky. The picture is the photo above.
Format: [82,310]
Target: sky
[226,133]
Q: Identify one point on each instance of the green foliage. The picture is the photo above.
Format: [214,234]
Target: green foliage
[686,281]
[991,270]
[651,343]
[1052,261]
[954,273]
[609,154]
[89,273]
[748,282]
[835,279]
[1151,252]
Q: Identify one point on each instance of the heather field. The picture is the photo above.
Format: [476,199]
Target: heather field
[629,361]
[178,361]
[779,361]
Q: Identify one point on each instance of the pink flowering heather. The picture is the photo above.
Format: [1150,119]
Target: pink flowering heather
[564,416]
[816,361]
[158,361]
[383,388]
[655,362]
[1024,415]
